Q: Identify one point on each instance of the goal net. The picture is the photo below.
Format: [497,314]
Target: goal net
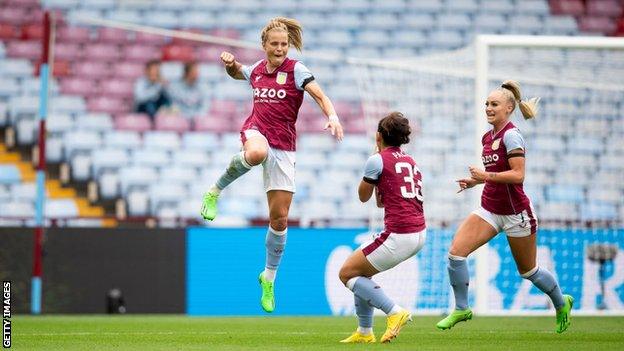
[574,172]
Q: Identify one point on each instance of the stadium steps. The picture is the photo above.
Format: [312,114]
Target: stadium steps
[54,188]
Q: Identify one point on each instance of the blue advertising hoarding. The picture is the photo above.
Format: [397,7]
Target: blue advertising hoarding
[223,267]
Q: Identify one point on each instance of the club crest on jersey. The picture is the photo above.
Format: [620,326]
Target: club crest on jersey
[281,77]
[496,144]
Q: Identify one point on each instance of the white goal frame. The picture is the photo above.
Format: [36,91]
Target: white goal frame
[483,45]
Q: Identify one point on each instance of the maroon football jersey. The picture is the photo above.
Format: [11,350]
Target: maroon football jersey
[499,198]
[400,189]
[276,102]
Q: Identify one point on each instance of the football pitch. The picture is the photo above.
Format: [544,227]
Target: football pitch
[158,332]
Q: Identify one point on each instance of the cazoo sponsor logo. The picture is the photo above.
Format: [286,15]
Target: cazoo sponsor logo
[269,93]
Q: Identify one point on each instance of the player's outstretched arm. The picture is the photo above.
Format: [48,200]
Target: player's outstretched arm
[466,183]
[333,122]
[513,176]
[233,68]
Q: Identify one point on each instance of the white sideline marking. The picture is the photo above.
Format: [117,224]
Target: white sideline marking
[174,333]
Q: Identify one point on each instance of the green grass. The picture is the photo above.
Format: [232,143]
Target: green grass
[150,332]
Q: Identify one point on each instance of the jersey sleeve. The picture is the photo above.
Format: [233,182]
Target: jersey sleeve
[514,140]
[303,76]
[246,70]
[373,168]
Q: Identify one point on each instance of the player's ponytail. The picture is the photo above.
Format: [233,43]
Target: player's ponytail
[394,129]
[529,107]
[291,26]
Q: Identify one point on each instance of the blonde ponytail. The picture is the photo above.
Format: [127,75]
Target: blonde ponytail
[291,26]
[529,108]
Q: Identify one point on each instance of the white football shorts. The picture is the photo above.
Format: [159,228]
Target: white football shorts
[278,167]
[387,250]
[517,225]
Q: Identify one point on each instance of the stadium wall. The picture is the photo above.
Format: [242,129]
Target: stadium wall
[81,265]
[213,271]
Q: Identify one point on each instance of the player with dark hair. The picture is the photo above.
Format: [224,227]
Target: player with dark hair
[504,207]
[397,182]
[269,136]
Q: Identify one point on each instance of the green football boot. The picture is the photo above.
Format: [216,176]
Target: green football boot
[268,297]
[455,317]
[563,314]
[209,206]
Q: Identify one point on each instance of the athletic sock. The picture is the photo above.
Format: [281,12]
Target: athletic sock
[275,242]
[364,312]
[369,291]
[545,281]
[459,278]
[237,167]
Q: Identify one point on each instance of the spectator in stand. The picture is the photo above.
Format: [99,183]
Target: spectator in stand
[150,91]
[187,94]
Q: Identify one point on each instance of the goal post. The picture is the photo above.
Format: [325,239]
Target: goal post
[575,172]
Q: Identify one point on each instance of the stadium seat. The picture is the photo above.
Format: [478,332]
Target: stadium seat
[597,24]
[102,52]
[462,6]
[446,39]
[133,122]
[381,20]
[79,85]
[80,141]
[161,140]
[560,25]
[111,105]
[193,158]
[598,211]
[526,24]
[13,16]
[567,7]
[117,88]
[30,50]
[496,7]
[178,174]
[131,70]
[91,70]
[136,177]
[16,68]
[59,123]
[61,208]
[138,203]
[125,15]
[200,141]
[609,8]
[412,38]
[76,35]
[161,193]
[9,174]
[558,211]
[8,31]
[161,19]
[564,193]
[108,159]
[346,21]
[454,20]
[426,6]
[171,122]
[17,209]
[151,158]
[113,35]
[122,139]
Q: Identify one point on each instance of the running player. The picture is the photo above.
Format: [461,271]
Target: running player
[268,135]
[504,207]
[396,180]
